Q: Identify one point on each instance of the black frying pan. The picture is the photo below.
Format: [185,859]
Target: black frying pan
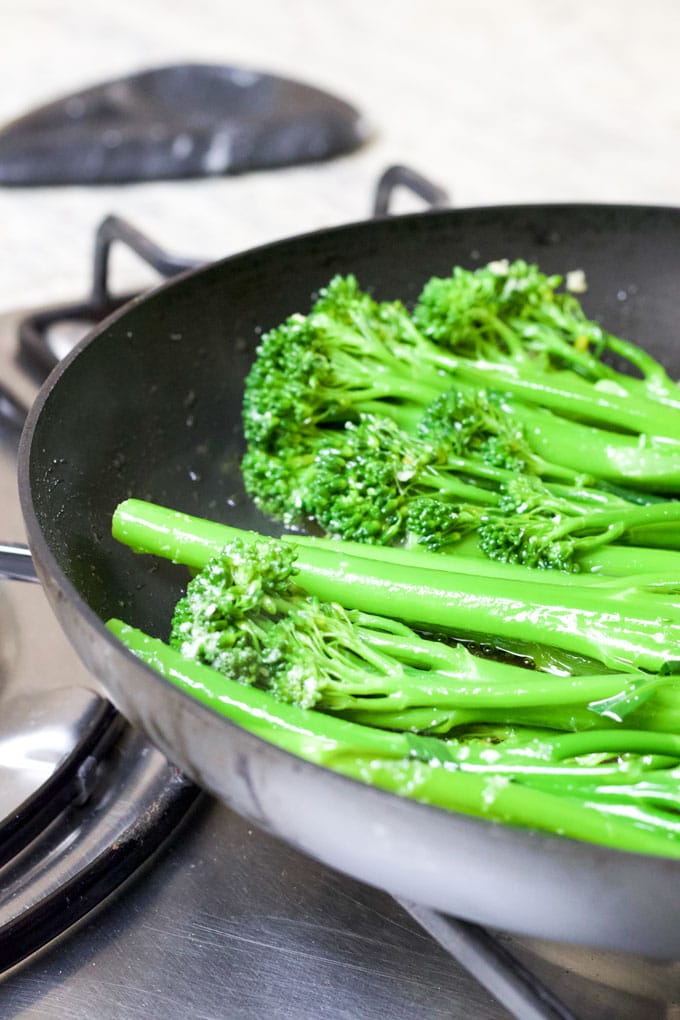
[149,406]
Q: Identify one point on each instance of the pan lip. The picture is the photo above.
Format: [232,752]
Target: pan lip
[550,843]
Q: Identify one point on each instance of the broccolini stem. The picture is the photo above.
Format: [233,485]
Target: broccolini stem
[653,803]
[451,486]
[605,453]
[624,569]
[148,528]
[655,383]
[656,380]
[417,767]
[608,525]
[651,716]
[387,385]
[573,745]
[451,677]
[567,394]
[504,800]
[476,467]
[619,633]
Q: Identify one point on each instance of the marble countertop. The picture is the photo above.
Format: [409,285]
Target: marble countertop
[537,100]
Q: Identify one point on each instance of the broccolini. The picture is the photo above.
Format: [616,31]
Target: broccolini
[451,451]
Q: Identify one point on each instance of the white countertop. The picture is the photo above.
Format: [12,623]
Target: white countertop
[534,100]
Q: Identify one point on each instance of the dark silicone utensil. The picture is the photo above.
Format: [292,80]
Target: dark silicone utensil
[185,120]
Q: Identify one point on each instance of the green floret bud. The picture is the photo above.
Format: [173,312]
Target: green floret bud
[289,665]
[526,527]
[333,364]
[535,528]
[344,304]
[359,486]
[311,650]
[344,301]
[269,481]
[278,483]
[528,495]
[511,310]
[474,423]
[460,310]
[277,393]
[213,622]
[436,524]
[527,542]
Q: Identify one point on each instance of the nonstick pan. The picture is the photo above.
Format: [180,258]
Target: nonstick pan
[149,406]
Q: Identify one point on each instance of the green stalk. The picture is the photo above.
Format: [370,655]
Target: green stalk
[385,385]
[607,454]
[556,718]
[448,676]
[551,326]
[572,745]
[452,722]
[445,478]
[654,786]
[627,561]
[567,394]
[447,485]
[406,765]
[612,567]
[557,703]
[562,391]
[656,523]
[655,380]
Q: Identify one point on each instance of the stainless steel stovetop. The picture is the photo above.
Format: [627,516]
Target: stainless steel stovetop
[222,920]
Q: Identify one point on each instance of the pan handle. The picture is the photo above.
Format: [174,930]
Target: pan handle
[405,177]
[16,563]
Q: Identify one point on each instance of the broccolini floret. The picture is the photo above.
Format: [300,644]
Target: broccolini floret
[511,310]
[533,527]
[482,424]
[366,479]
[245,616]
[350,355]
[372,482]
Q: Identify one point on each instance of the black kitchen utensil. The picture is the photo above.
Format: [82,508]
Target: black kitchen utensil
[184,120]
[113,421]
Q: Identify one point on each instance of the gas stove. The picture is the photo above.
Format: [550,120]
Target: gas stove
[126,893]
